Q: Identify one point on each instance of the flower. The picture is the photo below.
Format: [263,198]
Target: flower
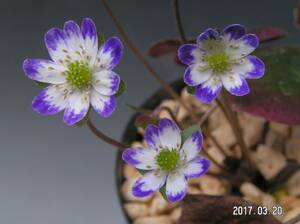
[221,59]
[167,161]
[79,73]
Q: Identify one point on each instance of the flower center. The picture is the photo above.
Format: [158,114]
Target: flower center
[78,75]
[219,62]
[167,159]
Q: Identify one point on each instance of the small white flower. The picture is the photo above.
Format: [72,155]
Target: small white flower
[167,160]
[221,59]
[79,73]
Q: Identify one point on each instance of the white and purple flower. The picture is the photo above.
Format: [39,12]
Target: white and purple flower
[221,59]
[167,161]
[79,73]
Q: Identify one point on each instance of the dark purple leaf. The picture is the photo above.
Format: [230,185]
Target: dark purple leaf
[276,95]
[269,33]
[297,15]
[205,209]
[163,47]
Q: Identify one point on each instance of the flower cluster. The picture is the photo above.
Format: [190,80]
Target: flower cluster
[79,73]
[167,161]
[221,59]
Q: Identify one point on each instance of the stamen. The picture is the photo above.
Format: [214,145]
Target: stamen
[78,75]
[167,159]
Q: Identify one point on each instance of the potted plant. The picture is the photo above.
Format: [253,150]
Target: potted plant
[211,148]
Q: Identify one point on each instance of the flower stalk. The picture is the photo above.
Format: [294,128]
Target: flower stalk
[104,137]
[179,21]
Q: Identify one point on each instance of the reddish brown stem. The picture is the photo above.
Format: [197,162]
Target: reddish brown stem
[104,137]
[179,21]
[233,120]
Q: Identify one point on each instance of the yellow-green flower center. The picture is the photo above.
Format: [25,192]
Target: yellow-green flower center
[219,62]
[167,159]
[78,75]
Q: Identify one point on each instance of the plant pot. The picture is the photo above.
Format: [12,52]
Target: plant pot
[131,134]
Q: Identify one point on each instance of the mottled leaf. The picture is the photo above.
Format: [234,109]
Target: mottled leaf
[276,95]
[198,209]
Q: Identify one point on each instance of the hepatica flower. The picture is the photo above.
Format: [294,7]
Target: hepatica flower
[221,59]
[167,161]
[79,73]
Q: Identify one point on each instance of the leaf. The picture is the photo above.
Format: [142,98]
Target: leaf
[191,90]
[83,121]
[269,33]
[163,47]
[122,88]
[207,209]
[189,131]
[276,95]
[101,39]
[162,191]
[144,120]
[42,84]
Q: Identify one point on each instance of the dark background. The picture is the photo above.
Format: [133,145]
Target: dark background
[51,173]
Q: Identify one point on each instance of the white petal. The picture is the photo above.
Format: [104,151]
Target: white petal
[176,186]
[77,107]
[235,84]
[195,168]
[151,182]
[192,146]
[45,71]
[103,105]
[169,134]
[51,100]
[106,82]
[197,74]
[144,159]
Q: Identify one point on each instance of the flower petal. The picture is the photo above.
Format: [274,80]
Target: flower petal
[51,100]
[151,182]
[90,39]
[189,54]
[235,84]
[242,47]
[258,68]
[109,54]
[208,34]
[103,105]
[44,71]
[152,137]
[234,31]
[77,108]
[169,134]
[192,146]
[209,90]
[106,82]
[176,186]
[250,67]
[74,40]
[140,158]
[55,41]
[196,168]
[197,74]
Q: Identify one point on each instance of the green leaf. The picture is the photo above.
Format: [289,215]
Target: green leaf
[189,131]
[276,95]
[42,84]
[191,90]
[101,39]
[122,88]
[82,122]
[162,191]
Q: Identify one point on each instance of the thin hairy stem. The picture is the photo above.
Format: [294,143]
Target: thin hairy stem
[233,120]
[145,63]
[293,220]
[179,21]
[104,137]
[206,115]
